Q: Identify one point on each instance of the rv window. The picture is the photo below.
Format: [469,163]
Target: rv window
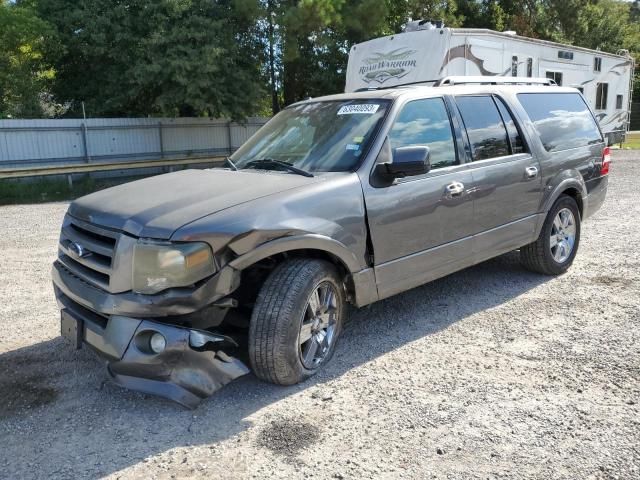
[618,102]
[514,66]
[597,64]
[529,67]
[426,122]
[565,55]
[602,91]
[515,140]
[562,120]
[486,132]
[556,77]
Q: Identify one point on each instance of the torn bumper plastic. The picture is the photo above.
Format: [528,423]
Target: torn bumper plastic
[182,364]
[184,371]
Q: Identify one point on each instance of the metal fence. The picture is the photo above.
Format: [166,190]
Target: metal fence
[37,143]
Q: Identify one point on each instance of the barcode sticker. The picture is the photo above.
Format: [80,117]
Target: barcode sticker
[366,108]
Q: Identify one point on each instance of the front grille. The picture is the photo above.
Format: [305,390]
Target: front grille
[96,254]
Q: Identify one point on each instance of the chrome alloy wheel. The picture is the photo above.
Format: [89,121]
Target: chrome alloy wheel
[563,235]
[317,332]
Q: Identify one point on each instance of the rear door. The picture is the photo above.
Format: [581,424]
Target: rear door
[506,176]
[421,226]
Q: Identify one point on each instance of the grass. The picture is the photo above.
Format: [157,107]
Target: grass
[51,190]
[633,142]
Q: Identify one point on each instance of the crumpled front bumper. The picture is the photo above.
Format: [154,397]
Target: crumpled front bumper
[180,373]
[191,367]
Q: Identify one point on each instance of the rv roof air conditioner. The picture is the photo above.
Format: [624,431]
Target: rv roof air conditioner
[423,25]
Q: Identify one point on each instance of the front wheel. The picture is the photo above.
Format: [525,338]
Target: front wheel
[556,247]
[296,321]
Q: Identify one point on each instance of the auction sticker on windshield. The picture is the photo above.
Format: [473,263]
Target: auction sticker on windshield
[366,108]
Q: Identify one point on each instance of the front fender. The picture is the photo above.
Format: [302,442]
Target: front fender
[362,278]
[308,241]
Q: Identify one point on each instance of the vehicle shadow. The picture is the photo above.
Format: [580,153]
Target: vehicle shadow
[55,403]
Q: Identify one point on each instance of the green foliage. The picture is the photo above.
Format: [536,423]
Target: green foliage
[156,57]
[241,57]
[24,73]
[308,48]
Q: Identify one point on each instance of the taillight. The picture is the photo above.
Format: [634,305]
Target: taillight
[606,161]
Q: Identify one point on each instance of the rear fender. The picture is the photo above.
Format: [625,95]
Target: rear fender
[570,180]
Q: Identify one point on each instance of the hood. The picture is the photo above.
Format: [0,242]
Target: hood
[157,206]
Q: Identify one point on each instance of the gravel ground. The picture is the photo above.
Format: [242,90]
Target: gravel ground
[492,372]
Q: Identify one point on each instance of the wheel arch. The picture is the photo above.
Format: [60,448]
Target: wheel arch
[574,193]
[359,279]
[323,246]
[573,187]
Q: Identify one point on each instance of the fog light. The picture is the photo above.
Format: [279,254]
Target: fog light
[157,343]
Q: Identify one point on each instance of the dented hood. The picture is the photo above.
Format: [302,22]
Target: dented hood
[157,206]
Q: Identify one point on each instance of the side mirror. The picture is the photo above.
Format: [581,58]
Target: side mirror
[408,161]
[405,162]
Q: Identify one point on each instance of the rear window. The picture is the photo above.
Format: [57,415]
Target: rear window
[562,120]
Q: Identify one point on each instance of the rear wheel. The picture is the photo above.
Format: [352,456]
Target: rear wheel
[556,247]
[296,321]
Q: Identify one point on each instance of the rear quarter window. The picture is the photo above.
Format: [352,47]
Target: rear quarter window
[562,120]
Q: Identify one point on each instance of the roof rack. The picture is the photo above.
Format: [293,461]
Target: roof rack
[462,80]
[487,80]
[385,87]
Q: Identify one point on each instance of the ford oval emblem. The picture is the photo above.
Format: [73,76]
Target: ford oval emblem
[78,250]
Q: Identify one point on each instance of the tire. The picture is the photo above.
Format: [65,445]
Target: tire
[543,257]
[284,306]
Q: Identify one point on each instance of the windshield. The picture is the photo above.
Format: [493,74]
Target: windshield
[315,137]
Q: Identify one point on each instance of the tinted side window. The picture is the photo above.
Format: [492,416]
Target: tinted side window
[562,120]
[426,122]
[485,129]
[517,146]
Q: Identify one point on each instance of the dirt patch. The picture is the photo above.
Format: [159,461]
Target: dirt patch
[610,280]
[287,436]
[16,395]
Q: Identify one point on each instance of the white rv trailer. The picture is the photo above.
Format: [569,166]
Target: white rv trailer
[427,51]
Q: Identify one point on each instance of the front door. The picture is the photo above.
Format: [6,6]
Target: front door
[421,226]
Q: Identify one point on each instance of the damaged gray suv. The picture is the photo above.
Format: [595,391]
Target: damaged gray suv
[183,281]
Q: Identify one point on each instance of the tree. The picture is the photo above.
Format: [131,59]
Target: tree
[157,57]
[402,11]
[24,72]
[307,43]
[241,57]
[604,24]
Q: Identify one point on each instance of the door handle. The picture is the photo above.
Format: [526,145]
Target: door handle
[455,189]
[531,172]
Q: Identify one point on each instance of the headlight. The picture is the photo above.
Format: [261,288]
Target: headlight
[161,265]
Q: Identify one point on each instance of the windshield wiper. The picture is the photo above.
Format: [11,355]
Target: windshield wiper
[229,162]
[266,162]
